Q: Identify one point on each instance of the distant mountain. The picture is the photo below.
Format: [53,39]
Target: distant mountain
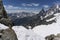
[42,18]
[20,15]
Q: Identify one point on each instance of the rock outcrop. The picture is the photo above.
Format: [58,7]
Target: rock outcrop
[53,37]
[4,19]
[7,34]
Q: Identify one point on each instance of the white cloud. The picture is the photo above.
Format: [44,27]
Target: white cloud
[18,11]
[35,4]
[24,4]
[46,6]
[31,4]
[13,9]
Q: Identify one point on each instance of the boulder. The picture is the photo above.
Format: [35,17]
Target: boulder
[50,37]
[7,34]
[6,22]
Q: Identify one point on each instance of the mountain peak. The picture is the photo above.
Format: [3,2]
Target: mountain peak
[57,6]
[42,12]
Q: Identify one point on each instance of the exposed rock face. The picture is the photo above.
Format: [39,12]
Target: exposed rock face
[2,10]
[7,34]
[6,22]
[50,37]
[3,16]
[53,37]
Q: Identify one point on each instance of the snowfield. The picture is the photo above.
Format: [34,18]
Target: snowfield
[39,32]
[24,34]
[44,30]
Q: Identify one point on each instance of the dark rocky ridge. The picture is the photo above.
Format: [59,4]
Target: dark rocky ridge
[4,19]
[6,34]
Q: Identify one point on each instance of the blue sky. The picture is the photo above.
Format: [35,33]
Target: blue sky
[27,5]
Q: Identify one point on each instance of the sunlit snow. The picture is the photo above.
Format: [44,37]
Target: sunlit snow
[3,26]
[25,34]
[38,33]
[44,30]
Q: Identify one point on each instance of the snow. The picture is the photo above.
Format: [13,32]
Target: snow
[20,31]
[18,16]
[41,18]
[25,34]
[51,13]
[57,6]
[3,26]
[38,33]
[56,38]
[44,30]
[51,19]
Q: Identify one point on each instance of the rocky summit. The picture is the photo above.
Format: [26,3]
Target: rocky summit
[3,16]
[5,22]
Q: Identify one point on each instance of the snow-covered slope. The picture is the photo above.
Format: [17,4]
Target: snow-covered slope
[44,30]
[3,26]
[40,31]
[24,34]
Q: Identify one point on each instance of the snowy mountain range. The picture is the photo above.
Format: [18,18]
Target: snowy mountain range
[44,23]
[42,30]
[37,33]
[42,18]
[20,15]
[15,16]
